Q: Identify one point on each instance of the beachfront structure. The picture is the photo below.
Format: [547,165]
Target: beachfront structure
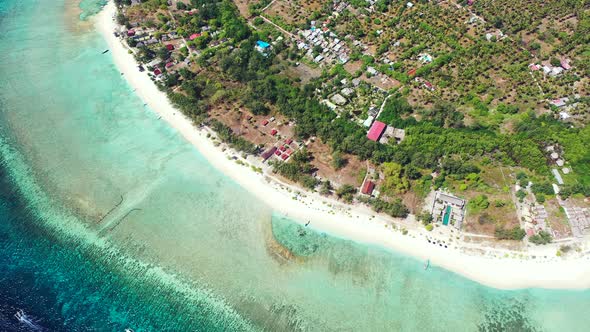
[578,218]
[368,187]
[376,131]
[268,153]
[448,210]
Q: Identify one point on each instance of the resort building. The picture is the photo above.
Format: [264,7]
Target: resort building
[448,210]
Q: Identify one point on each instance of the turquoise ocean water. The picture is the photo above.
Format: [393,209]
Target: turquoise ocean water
[109,220]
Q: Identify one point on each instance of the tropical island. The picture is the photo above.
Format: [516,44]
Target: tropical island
[463,123]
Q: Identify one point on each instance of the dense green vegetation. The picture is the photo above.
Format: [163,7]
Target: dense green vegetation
[435,142]
[515,233]
[395,208]
[226,135]
[541,238]
[456,139]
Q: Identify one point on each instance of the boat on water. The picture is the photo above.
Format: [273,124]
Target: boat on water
[103,52]
[427,264]
[129,330]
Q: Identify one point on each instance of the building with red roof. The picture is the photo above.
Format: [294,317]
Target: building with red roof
[273,132]
[157,72]
[170,47]
[285,156]
[195,36]
[265,122]
[368,187]
[130,32]
[376,131]
[268,153]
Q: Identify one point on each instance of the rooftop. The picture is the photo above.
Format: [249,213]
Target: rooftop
[376,131]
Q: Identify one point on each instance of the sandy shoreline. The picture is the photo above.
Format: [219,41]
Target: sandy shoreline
[357,222]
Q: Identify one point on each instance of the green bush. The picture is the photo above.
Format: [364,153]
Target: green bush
[541,238]
[480,202]
[515,233]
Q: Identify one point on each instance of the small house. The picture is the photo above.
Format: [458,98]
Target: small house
[368,188]
[268,153]
[369,121]
[376,131]
[338,99]
[425,58]
[169,47]
[560,102]
[262,46]
[347,92]
[555,71]
[565,64]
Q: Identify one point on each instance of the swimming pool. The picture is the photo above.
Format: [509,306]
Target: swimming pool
[447,215]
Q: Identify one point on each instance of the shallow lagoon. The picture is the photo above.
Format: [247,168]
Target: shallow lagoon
[112,220]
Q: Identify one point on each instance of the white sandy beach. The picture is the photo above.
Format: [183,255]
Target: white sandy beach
[358,222]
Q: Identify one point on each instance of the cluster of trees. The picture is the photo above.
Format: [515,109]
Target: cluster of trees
[297,169]
[478,203]
[395,181]
[542,237]
[514,233]
[395,208]
[346,192]
[439,141]
[227,135]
